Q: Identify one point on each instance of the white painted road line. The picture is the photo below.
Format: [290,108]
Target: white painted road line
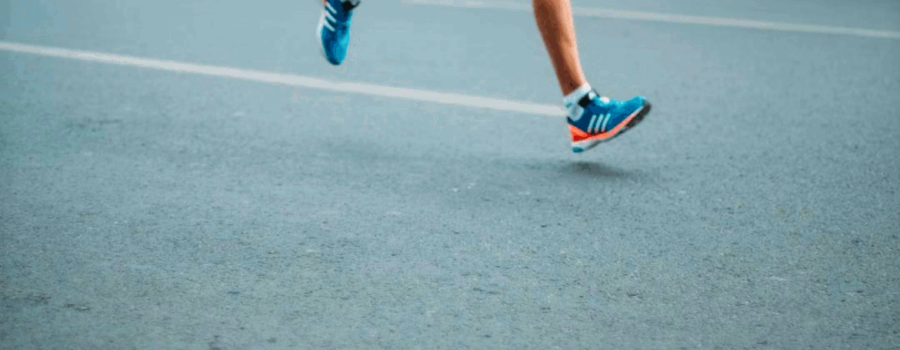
[671,18]
[292,80]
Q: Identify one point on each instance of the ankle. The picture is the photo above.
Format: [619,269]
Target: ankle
[570,101]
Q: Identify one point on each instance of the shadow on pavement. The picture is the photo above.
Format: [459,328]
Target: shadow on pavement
[596,169]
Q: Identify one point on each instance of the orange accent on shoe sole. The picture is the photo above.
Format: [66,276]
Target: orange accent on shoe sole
[579,135]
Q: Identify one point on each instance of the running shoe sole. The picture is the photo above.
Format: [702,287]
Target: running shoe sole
[633,120]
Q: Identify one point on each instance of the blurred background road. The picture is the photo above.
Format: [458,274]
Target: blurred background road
[756,208]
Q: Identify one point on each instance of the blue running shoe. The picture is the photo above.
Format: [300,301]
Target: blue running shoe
[603,119]
[333,31]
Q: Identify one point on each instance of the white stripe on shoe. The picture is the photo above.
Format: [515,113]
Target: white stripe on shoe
[324,22]
[329,16]
[328,6]
[591,124]
[605,120]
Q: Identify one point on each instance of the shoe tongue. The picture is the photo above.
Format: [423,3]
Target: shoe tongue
[348,5]
[587,98]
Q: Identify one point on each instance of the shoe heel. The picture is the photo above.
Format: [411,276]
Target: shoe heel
[582,146]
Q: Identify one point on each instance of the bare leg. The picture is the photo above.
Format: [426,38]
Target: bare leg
[554,20]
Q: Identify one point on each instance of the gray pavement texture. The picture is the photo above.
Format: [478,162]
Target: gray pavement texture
[756,208]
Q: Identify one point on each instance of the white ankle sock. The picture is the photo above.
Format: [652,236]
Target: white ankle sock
[570,101]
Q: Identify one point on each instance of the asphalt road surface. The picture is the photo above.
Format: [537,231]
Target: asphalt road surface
[758,206]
